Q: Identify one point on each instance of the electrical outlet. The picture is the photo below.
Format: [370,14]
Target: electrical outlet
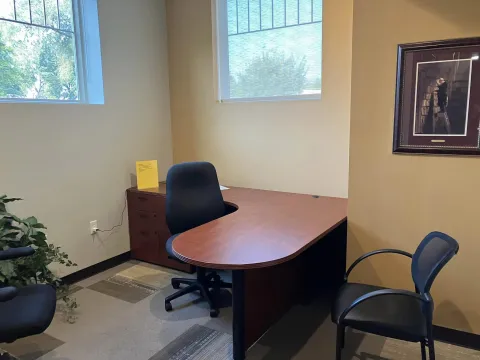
[93,227]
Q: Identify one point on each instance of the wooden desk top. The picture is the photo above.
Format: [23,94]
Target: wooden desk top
[268,228]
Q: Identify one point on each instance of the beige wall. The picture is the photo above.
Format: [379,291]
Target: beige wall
[395,200]
[72,163]
[299,146]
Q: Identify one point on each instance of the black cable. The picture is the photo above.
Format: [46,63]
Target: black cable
[121,221]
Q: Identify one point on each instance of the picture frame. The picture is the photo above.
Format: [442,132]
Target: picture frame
[437,101]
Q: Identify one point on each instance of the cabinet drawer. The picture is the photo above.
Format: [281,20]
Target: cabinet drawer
[146,202]
[148,220]
[145,245]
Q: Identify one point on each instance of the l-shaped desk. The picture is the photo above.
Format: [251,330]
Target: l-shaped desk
[282,248]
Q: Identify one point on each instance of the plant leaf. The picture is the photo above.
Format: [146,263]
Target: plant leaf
[32,220]
[9,235]
[7,269]
[39,236]
[39,226]
[8,200]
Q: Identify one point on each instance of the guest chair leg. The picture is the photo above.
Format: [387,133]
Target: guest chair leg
[424,353]
[340,341]
[431,349]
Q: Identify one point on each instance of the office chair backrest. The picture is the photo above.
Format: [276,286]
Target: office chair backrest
[193,196]
[431,256]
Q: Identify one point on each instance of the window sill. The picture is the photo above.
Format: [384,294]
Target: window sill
[308,97]
[45,102]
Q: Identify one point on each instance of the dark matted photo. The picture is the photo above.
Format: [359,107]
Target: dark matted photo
[442,97]
[437,107]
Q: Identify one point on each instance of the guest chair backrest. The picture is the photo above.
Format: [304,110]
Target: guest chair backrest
[193,196]
[433,253]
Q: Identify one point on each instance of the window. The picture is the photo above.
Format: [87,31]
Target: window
[269,49]
[50,51]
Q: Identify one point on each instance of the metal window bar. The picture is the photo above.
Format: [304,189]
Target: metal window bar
[58,13]
[237,14]
[30,9]
[285,25]
[273,16]
[31,23]
[312,10]
[248,7]
[298,12]
[260,9]
[44,13]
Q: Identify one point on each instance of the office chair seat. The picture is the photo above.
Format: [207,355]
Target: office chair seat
[193,199]
[28,313]
[399,317]
[169,248]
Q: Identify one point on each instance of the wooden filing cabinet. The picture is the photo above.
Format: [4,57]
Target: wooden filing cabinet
[148,227]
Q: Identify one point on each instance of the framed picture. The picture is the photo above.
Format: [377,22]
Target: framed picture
[437,105]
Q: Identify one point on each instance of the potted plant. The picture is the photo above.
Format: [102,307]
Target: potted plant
[18,232]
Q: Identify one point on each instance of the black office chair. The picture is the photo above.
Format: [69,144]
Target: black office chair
[398,314]
[24,311]
[193,199]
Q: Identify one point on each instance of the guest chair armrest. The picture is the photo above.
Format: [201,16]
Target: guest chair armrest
[8,293]
[230,208]
[376,293]
[14,253]
[367,255]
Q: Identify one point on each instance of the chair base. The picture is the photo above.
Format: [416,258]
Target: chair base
[204,284]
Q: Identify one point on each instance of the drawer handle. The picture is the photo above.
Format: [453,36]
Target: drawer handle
[141,198]
[146,233]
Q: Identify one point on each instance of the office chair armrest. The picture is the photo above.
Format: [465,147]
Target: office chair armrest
[14,253]
[367,255]
[376,293]
[8,293]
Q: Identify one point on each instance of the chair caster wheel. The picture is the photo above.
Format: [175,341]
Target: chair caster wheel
[214,313]
[175,285]
[168,307]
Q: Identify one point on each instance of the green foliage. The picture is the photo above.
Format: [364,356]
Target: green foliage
[56,68]
[17,232]
[38,63]
[271,74]
[11,78]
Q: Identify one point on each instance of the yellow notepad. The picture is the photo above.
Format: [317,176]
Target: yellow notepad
[147,174]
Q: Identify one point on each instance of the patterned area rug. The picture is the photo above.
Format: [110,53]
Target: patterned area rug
[198,343]
[135,283]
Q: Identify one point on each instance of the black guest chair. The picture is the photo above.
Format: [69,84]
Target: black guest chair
[193,199]
[24,311]
[398,314]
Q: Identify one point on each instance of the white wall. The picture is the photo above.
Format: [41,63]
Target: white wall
[297,146]
[72,163]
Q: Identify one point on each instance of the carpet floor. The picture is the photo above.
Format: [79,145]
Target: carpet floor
[121,316]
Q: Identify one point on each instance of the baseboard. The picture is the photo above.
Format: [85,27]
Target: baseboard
[456,337]
[96,268]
